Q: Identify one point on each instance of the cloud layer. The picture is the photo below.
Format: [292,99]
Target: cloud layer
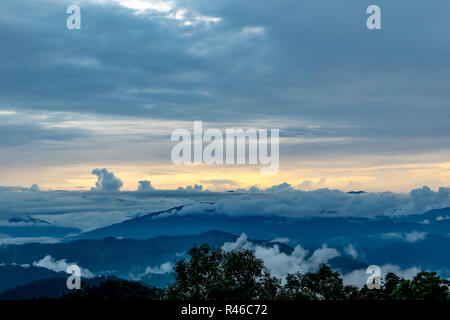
[285,201]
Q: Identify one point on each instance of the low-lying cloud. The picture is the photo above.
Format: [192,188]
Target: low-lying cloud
[164,268]
[48,262]
[279,263]
[283,200]
[358,278]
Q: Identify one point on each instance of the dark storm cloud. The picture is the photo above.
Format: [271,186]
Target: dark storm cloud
[309,60]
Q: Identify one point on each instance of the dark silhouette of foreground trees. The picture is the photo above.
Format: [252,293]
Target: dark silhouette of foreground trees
[212,274]
[324,284]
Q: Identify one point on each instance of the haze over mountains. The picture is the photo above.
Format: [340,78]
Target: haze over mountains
[140,235]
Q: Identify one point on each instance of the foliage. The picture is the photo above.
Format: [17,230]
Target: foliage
[213,274]
[424,286]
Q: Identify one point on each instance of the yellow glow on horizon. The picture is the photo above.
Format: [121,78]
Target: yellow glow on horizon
[396,178]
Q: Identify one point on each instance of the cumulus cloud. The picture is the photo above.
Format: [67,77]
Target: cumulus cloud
[106,181]
[34,187]
[48,262]
[164,268]
[280,263]
[425,198]
[145,185]
[359,277]
[195,188]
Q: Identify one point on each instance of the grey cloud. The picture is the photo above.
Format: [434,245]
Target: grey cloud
[313,62]
[145,185]
[285,201]
[25,133]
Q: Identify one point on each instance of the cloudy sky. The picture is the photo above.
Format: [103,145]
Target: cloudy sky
[356,108]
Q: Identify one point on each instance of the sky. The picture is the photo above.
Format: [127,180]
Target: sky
[357,109]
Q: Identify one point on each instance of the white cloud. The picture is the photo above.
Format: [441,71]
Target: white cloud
[48,262]
[415,236]
[143,5]
[359,277]
[280,263]
[162,269]
[168,9]
[412,237]
[7,112]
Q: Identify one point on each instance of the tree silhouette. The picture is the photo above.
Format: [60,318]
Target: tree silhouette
[217,275]
[424,286]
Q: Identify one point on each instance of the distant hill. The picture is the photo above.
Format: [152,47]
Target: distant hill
[116,290]
[309,231]
[120,257]
[14,275]
[47,288]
